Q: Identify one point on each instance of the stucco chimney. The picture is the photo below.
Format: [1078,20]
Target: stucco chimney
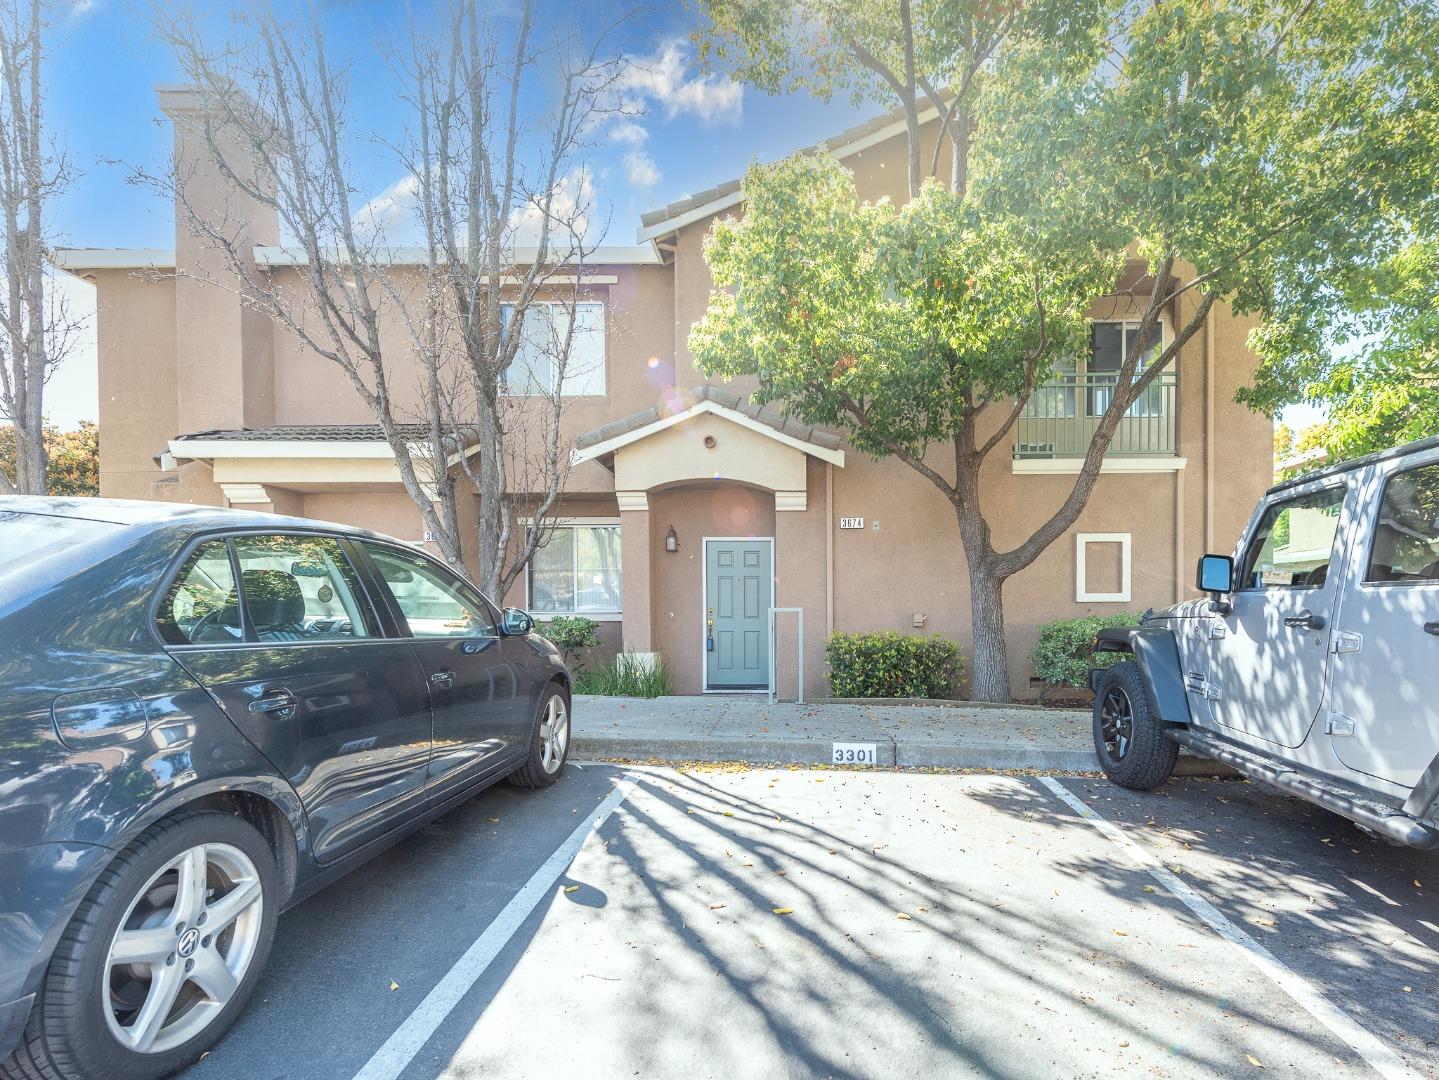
[224,355]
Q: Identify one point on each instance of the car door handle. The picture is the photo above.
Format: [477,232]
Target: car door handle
[442,678]
[274,701]
[1306,620]
[1432,628]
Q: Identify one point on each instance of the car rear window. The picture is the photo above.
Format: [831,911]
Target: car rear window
[27,539]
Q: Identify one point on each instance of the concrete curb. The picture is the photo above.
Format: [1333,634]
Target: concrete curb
[891,754]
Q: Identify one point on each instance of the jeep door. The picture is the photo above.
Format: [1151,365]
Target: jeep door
[296,658]
[1383,718]
[1267,670]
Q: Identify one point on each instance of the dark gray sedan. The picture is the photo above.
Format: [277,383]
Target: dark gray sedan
[207,715]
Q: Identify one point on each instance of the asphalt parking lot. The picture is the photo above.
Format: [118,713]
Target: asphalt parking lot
[766,923]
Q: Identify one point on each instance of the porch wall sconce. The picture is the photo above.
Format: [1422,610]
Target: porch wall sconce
[672,540]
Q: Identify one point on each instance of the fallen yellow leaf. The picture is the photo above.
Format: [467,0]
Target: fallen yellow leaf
[1149,888]
[729,813]
[1265,922]
[572,888]
[1255,1061]
[783,910]
[902,915]
[1409,989]
[1122,933]
[716,907]
[394,986]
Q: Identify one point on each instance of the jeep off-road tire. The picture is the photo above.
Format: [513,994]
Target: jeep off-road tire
[1129,739]
[549,743]
[175,880]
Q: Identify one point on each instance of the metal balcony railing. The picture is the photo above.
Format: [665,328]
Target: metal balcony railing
[1061,416]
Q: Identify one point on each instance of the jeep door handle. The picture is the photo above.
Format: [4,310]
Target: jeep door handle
[1305,620]
[1432,628]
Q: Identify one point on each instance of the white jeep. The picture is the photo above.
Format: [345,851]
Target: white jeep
[1314,664]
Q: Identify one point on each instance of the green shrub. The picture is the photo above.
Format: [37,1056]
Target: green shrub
[890,665]
[627,676]
[1065,650]
[570,634]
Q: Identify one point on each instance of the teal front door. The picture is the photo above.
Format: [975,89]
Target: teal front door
[737,599]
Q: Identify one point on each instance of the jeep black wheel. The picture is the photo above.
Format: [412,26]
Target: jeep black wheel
[1129,740]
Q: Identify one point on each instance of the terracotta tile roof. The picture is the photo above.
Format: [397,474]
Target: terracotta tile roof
[768,415]
[305,433]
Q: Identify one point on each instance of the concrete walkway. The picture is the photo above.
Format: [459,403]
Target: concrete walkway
[747,728]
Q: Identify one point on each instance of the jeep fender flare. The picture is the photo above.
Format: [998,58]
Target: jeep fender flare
[1156,653]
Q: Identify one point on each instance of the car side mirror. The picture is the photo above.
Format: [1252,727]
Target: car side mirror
[516,623]
[1216,577]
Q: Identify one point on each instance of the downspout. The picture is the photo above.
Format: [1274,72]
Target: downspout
[828,549]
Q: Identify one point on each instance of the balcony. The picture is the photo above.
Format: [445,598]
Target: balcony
[1060,418]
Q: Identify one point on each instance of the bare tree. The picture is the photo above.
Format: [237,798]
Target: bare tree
[505,228]
[36,329]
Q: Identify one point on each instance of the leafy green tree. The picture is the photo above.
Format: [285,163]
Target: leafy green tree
[72,458]
[1222,141]
[1366,346]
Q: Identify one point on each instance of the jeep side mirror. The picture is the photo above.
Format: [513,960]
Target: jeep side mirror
[1216,577]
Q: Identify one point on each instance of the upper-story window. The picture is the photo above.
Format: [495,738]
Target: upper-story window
[546,328]
[1087,382]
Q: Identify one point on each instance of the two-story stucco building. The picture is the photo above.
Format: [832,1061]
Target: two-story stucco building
[686,502]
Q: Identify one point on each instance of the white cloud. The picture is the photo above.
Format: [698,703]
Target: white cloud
[393,210]
[570,210]
[641,170]
[629,133]
[664,78]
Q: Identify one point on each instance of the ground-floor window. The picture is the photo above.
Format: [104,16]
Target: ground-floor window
[577,571]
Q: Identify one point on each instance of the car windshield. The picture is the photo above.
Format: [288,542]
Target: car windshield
[26,539]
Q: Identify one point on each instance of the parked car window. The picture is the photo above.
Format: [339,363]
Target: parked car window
[200,606]
[1294,541]
[434,602]
[300,588]
[1406,539]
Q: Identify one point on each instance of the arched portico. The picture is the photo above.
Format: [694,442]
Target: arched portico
[742,488]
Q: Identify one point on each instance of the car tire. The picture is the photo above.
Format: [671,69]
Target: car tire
[77,1030]
[1129,740]
[550,742]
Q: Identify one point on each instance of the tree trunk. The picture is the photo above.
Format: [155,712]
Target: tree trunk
[29,461]
[989,679]
[492,497]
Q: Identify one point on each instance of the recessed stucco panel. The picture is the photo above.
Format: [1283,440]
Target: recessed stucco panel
[679,454]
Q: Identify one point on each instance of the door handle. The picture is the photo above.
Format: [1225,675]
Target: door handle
[277,700]
[442,678]
[1305,620]
[1432,628]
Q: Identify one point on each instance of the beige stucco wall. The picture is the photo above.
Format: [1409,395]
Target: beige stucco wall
[178,359]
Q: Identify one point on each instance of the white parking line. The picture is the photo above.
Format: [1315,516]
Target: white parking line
[1384,1060]
[400,1048]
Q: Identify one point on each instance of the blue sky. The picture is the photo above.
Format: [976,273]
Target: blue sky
[696,131]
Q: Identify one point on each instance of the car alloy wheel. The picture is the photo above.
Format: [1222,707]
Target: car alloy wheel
[554,734]
[183,948]
[1116,724]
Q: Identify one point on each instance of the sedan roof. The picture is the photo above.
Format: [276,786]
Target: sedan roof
[140,513]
